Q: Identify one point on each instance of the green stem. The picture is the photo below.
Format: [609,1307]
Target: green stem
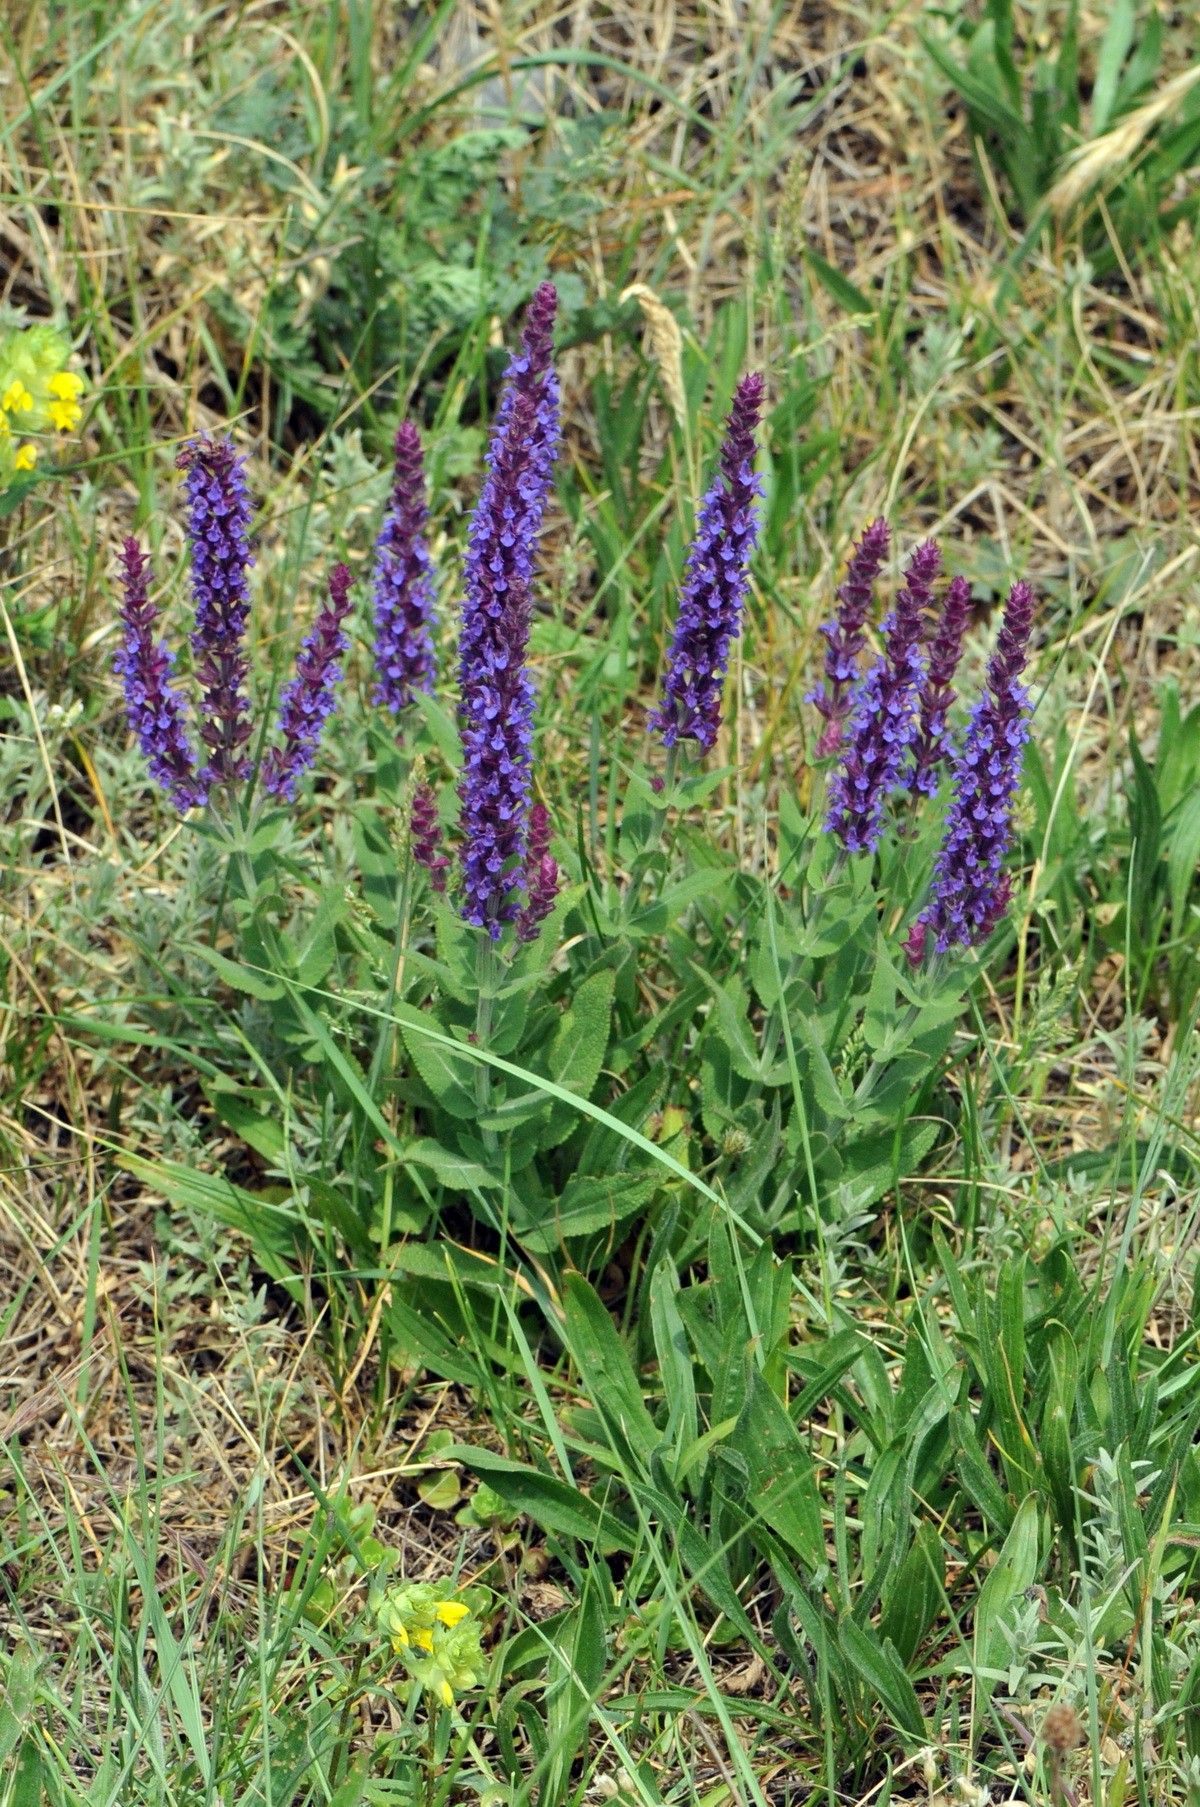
[658,822]
[879,1065]
[485,973]
[773,1030]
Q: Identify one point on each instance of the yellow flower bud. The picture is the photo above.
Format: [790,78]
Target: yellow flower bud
[26,458]
[16,398]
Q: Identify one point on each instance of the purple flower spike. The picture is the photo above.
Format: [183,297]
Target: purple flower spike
[715,580]
[403,584]
[971,890]
[542,875]
[308,701]
[156,710]
[883,714]
[426,833]
[496,707]
[845,633]
[218,525]
[932,745]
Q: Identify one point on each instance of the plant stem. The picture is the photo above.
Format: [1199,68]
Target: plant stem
[485,973]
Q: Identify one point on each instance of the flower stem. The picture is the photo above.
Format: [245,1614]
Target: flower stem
[485,974]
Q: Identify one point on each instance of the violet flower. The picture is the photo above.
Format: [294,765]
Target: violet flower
[883,714]
[845,633]
[308,701]
[218,531]
[541,875]
[426,836]
[715,580]
[971,890]
[932,743]
[496,707]
[155,709]
[403,584]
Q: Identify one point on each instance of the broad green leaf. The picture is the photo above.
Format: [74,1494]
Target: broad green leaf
[782,1481]
[452,1169]
[731,1023]
[553,1504]
[449,1075]
[604,1366]
[674,1362]
[975,1475]
[578,1048]
[914,1597]
[255,983]
[587,1205]
[879,1665]
[1015,1569]
[259,1130]
[16,1708]
[1054,1442]
[441,726]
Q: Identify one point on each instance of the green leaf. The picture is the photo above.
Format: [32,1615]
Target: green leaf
[605,1368]
[17,1709]
[838,286]
[914,1597]
[255,983]
[441,726]
[674,1363]
[553,1504]
[449,1075]
[276,1231]
[731,1023]
[1054,1442]
[453,1170]
[1183,859]
[1015,1570]
[655,917]
[578,1048]
[1110,60]
[588,1204]
[975,1475]
[782,1481]
[28,1778]
[262,1132]
[982,98]
[879,1665]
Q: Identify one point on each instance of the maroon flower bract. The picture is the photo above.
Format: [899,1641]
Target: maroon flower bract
[308,701]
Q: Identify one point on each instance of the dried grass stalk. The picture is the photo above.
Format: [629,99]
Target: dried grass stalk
[1098,160]
[664,343]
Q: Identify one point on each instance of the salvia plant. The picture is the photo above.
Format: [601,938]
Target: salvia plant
[474,1004]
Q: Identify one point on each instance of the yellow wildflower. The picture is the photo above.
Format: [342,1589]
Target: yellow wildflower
[65,385]
[451,1611]
[65,415]
[16,398]
[438,1638]
[26,458]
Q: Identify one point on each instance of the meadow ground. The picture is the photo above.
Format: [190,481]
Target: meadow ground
[234,1378]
